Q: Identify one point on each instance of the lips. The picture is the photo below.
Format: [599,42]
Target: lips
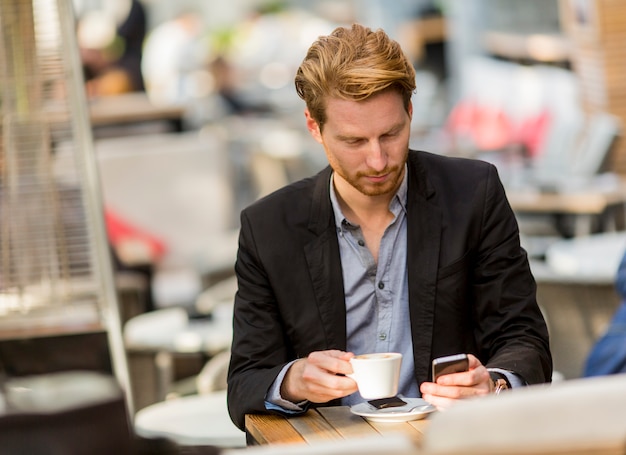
[377,178]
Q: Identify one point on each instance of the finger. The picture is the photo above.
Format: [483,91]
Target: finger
[451,391]
[478,376]
[319,394]
[473,361]
[321,386]
[441,403]
[328,371]
[343,355]
[464,378]
[334,362]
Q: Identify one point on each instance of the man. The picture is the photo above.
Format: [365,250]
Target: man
[385,250]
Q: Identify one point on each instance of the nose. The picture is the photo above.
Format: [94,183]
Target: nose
[376,157]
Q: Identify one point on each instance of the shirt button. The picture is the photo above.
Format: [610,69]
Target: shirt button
[361,243]
[381,285]
[382,336]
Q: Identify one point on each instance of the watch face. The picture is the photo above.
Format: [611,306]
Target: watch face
[499,385]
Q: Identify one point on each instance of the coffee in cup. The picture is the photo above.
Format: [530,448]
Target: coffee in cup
[377,374]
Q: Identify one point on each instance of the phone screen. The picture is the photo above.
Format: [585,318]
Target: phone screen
[449,364]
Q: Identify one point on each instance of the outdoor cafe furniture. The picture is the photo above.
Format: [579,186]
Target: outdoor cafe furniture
[133,109]
[194,420]
[165,334]
[582,416]
[587,206]
[576,292]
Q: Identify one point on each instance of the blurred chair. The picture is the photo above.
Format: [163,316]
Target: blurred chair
[193,410]
[217,299]
[159,342]
[600,134]
[70,412]
[213,376]
[574,152]
[220,293]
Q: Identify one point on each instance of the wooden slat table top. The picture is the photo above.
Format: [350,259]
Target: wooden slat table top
[591,202]
[271,429]
[325,424]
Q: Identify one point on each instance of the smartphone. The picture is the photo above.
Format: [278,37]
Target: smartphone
[449,364]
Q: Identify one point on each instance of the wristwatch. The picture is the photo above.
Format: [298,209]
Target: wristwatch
[500,382]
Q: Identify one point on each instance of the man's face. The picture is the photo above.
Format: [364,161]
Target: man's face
[366,142]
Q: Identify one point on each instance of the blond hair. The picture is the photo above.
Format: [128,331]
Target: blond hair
[353,64]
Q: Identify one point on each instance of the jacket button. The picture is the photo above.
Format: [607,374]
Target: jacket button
[381,285]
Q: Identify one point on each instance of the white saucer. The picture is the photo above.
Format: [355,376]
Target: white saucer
[414,409]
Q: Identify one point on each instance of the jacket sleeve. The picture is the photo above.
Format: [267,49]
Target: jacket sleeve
[259,348]
[510,328]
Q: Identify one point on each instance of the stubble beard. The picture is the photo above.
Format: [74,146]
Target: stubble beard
[374,189]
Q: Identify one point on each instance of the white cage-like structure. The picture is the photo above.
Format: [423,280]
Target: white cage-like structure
[56,275]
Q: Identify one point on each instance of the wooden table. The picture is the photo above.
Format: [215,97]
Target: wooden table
[325,424]
[585,206]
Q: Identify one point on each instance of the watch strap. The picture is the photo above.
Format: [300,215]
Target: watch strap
[500,382]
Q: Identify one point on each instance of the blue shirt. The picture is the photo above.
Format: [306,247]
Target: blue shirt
[377,295]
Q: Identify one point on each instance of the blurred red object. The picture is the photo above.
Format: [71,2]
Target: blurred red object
[132,243]
[487,128]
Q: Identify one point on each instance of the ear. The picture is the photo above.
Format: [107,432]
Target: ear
[410,109]
[313,126]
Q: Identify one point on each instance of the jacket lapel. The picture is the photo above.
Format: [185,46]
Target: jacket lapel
[323,257]
[424,243]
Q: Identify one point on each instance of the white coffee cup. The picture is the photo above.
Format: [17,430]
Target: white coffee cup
[377,374]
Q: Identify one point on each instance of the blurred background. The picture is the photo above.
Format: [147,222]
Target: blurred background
[176,115]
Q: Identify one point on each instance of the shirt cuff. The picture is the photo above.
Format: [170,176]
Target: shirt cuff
[513,378]
[273,399]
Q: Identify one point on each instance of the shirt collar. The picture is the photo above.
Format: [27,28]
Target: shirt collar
[397,202]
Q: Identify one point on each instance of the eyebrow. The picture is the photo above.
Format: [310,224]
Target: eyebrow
[393,129]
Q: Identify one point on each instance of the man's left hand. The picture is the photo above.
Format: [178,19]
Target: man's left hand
[450,388]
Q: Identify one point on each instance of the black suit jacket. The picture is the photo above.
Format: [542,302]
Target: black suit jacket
[470,285]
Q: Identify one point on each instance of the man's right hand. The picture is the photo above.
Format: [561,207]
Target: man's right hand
[319,378]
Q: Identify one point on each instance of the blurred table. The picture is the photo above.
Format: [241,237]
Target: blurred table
[584,206]
[133,108]
[326,424]
[194,420]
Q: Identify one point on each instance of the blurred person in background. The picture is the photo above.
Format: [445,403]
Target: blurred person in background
[174,51]
[387,249]
[608,354]
[111,40]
